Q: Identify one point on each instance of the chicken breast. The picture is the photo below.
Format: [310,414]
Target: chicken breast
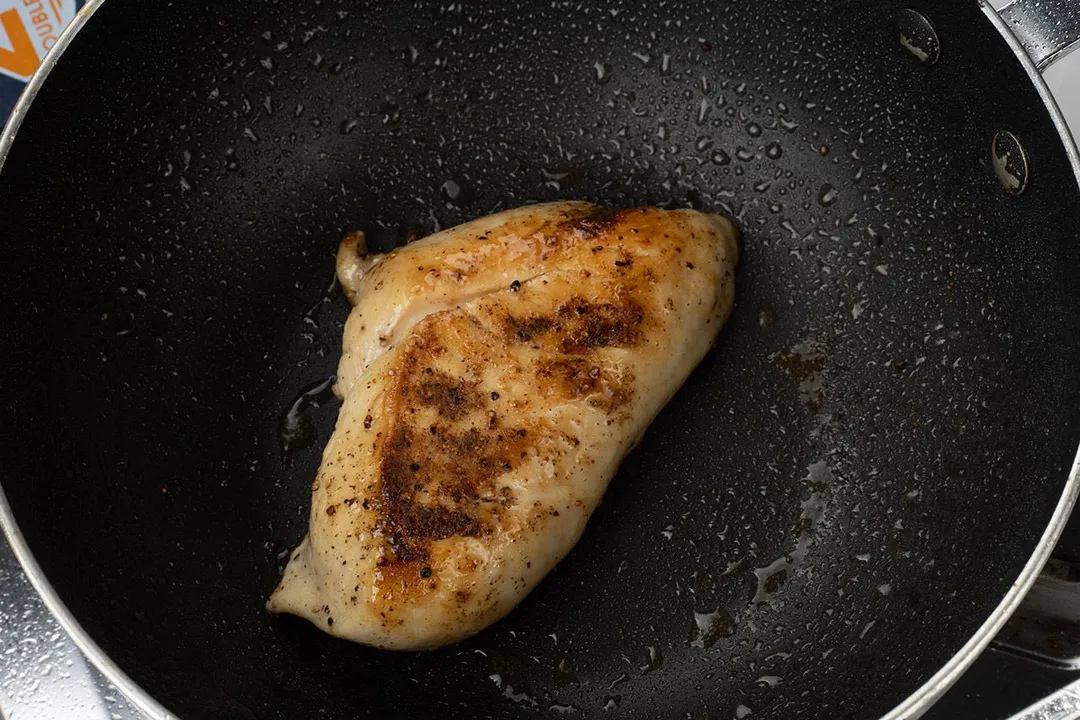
[493,376]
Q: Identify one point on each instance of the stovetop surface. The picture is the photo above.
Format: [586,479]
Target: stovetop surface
[43,676]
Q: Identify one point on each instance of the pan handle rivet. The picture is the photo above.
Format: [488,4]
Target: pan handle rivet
[918,36]
[1010,162]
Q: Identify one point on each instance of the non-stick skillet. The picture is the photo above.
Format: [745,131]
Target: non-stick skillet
[897,395]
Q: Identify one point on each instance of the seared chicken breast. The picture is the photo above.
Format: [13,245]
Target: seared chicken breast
[493,377]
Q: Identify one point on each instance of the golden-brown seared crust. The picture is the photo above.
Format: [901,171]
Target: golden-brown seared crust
[447,442]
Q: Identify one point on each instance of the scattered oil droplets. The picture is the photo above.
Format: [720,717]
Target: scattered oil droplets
[771,578]
[712,626]
[564,675]
[390,113]
[509,676]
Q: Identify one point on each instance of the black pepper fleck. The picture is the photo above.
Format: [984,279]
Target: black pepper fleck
[425,572]
[515,286]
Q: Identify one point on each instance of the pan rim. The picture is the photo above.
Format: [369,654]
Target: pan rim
[913,706]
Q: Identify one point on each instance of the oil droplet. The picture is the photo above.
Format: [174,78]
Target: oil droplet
[720,157]
[456,194]
[773,151]
[510,677]
[766,317]
[771,578]
[753,130]
[703,111]
[653,659]
[347,126]
[611,702]
[742,711]
[296,430]
[827,195]
[744,154]
[602,72]
[565,709]
[711,626]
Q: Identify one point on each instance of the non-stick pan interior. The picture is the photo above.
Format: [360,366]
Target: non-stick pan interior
[833,503]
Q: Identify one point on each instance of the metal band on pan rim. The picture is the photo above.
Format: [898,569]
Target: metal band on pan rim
[914,706]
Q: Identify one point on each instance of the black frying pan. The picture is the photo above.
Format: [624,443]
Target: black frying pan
[832,511]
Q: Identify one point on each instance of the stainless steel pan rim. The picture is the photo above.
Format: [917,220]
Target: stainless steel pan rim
[912,707]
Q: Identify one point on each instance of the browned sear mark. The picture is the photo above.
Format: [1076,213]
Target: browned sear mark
[587,325]
[435,476]
[594,222]
[452,397]
[579,326]
[407,524]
